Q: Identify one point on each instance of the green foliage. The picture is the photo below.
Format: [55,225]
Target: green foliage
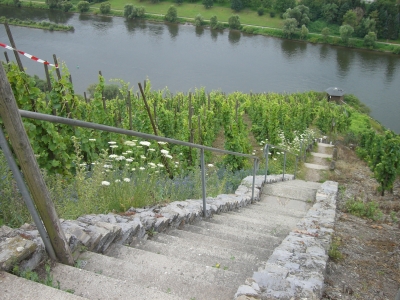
[334,252]
[345,33]
[353,101]
[350,18]
[34,276]
[283,5]
[237,5]
[234,22]
[83,6]
[290,27]
[172,14]
[300,13]
[303,32]
[325,32]
[132,12]
[260,11]
[368,210]
[66,6]
[370,40]
[105,8]
[214,24]
[199,21]
[208,3]
[110,91]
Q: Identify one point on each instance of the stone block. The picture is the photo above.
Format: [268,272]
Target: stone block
[13,250]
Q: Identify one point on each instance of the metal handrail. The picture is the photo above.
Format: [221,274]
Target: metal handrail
[79,123]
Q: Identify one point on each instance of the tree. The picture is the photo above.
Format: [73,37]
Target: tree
[370,39]
[53,3]
[105,8]
[214,24]
[303,31]
[198,21]
[282,5]
[236,5]
[17,3]
[234,22]
[325,32]
[330,12]
[132,12]
[66,6]
[172,14]
[208,3]
[350,18]
[289,27]
[300,13]
[345,33]
[179,2]
[83,6]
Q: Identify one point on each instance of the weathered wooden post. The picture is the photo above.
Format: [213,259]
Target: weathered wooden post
[130,110]
[10,37]
[102,96]
[34,179]
[6,56]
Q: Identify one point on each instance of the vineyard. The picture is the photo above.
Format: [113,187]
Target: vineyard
[90,171]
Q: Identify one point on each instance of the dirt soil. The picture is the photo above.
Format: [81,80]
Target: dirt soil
[370,265]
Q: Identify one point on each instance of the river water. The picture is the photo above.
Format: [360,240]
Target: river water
[182,58]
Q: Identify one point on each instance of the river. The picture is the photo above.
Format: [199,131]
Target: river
[182,58]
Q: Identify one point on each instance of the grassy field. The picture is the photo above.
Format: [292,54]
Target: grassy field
[190,10]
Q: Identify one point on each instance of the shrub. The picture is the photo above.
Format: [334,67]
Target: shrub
[179,2]
[83,6]
[208,3]
[105,8]
[396,50]
[172,14]
[66,6]
[234,22]
[131,12]
[51,27]
[272,14]
[260,11]
[248,29]
[368,210]
[198,21]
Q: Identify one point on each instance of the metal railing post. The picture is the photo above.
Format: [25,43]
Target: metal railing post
[203,182]
[301,149]
[295,167]
[254,179]
[284,165]
[266,162]
[26,195]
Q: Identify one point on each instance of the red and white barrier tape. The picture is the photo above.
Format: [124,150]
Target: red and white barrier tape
[28,55]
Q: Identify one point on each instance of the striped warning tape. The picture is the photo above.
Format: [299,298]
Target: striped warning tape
[28,55]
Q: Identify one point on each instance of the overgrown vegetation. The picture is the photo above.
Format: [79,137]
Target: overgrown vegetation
[96,172]
[34,276]
[369,210]
[30,23]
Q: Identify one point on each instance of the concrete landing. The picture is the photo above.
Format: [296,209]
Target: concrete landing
[316,167]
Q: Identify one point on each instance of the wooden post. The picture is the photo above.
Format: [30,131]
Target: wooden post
[163,158]
[236,109]
[46,71]
[57,69]
[102,96]
[86,99]
[10,37]
[6,56]
[130,110]
[19,140]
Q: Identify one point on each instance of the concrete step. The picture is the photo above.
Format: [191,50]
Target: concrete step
[316,167]
[194,238]
[299,190]
[98,287]
[174,265]
[237,222]
[276,206]
[234,234]
[321,155]
[158,278]
[208,255]
[13,287]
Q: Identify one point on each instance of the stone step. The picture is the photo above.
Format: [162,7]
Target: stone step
[233,234]
[174,265]
[208,255]
[316,167]
[98,287]
[160,279]
[13,287]
[322,155]
[293,190]
[298,183]
[276,206]
[237,222]
[194,238]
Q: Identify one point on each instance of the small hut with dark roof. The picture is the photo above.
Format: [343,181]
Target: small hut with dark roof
[335,94]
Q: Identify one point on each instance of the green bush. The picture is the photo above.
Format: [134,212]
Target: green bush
[66,6]
[105,8]
[260,11]
[396,50]
[248,29]
[198,20]
[368,210]
[234,22]
[172,14]
[272,14]
[83,6]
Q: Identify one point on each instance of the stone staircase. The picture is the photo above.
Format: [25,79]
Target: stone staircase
[195,258]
